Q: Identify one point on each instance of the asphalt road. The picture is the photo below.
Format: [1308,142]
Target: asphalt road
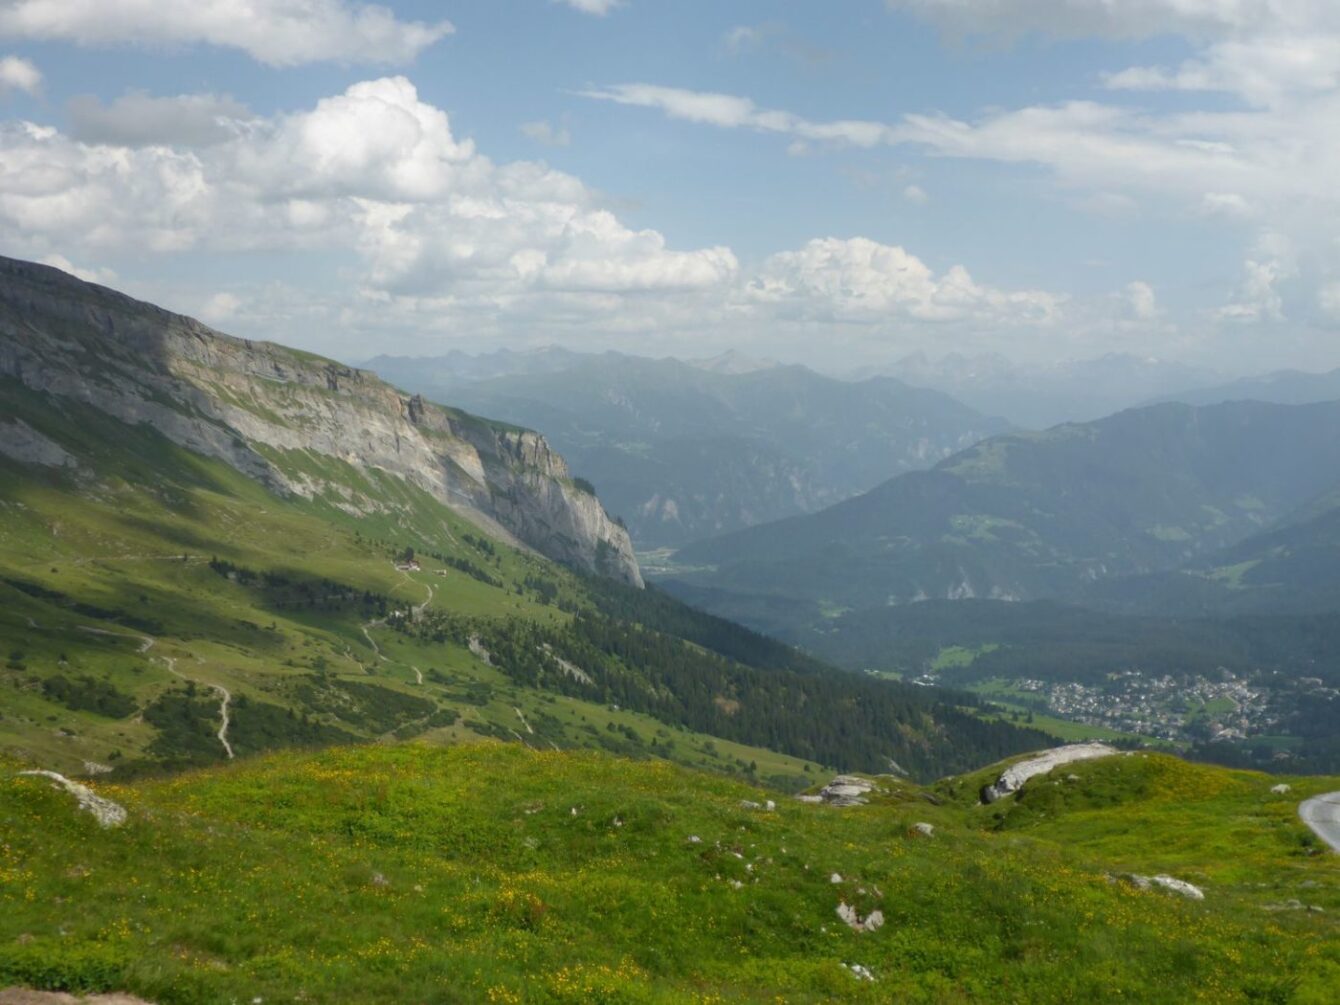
[1322,814]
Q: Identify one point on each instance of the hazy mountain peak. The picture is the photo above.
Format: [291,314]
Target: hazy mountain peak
[732,361]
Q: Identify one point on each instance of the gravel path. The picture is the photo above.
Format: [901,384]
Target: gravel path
[1322,814]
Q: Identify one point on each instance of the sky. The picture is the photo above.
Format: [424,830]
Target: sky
[840,183]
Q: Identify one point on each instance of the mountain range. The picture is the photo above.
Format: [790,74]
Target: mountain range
[211,547]
[687,450]
[1033,515]
[1040,396]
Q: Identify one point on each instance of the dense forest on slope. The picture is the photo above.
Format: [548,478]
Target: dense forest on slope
[829,717]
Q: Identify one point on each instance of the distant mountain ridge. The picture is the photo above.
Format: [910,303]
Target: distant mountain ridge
[1037,515]
[686,450]
[1037,397]
[1283,387]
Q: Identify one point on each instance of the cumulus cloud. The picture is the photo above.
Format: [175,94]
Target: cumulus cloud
[17,74]
[275,32]
[434,235]
[858,279]
[138,119]
[373,169]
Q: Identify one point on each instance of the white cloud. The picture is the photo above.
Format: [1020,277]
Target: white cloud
[1141,303]
[546,134]
[730,111]
[17,74]
[94,275]
[743,37]
[1260,50]
[1328,299]
[597,7]
[219,307]
[434,237]
[1258,298]
[276,32]
[916,195]
[1125,19]
[374,170]
[862,280]
[138,119]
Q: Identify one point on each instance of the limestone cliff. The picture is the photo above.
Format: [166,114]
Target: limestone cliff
[283,416]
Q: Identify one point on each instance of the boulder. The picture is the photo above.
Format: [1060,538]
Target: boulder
[846,790]
[1014,777]
[870,923]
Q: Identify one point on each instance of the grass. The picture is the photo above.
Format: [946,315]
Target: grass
[134,549]
[496,873]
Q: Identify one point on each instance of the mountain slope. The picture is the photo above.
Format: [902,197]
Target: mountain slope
[683,452]
[294,422]
[268,561]
[1037,515]
[496,874]
[1292,568]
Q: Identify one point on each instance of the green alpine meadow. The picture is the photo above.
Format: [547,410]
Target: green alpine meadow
[493,872]
[605,502]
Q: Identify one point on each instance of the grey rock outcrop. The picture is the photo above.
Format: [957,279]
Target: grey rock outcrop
[846,790]
[1012,779]
[1165,882]
[297,423]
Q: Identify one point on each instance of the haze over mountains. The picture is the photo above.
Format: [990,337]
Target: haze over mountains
[682,451]
[1035,515]
[1037,397]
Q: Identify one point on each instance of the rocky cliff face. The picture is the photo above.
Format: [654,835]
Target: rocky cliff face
[292,420]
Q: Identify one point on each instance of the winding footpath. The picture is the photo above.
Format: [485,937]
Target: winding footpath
[1322,814]
[146,641]
[225,697]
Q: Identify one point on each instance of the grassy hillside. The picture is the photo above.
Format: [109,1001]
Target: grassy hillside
[143,584]
[499,874]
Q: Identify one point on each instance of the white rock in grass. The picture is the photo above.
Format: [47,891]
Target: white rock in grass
[859,972]
[1280,789]
[106,812]
[1180,886]
[1014,777]
[925,829]
[871,923]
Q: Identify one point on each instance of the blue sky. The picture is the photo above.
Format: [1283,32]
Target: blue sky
[839,183]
